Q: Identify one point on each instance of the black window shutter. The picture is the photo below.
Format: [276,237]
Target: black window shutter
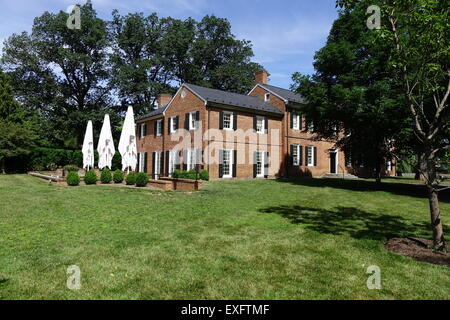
[292,114]
[300,122]
[155,128]
[234,163]
[266,164]
[266,125]
[145,162]
[221,120]
[291,158]
[161,164]
[255,166]
[315,156]
[162,126]
[154,164]
[300,155]
[220,163]
[197,119]
[185,159]
[254,123]
[186,121]
[138,161]
[177,122]
[169,125]
[166,173]
[145,129]
[234,121]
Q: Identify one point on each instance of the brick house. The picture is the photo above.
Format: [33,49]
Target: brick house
[259,135]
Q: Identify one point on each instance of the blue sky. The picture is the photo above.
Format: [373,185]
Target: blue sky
[285,33]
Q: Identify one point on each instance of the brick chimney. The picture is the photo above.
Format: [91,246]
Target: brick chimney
[262,76]
[163,99]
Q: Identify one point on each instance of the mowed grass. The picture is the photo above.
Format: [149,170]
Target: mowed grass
[290,239]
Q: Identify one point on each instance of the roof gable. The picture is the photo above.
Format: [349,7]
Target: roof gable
[287,95]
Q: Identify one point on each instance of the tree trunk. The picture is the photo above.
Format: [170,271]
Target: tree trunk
[378,173]
[436,223]
[3,166]
[428,170]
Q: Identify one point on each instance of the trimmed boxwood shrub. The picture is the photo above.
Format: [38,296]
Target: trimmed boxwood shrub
[73,179]
[90,177]
[141,179]
[131,179]
[204,175]
[118,176]
[106,176]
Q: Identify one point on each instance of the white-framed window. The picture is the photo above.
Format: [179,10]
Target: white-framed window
[141,161]
[193,123]
[158,164]
[267,97]
[260,124]
[173,124]
[259,164]
[310,156]
[389,166]
[191,158]
[183,93]
[143,129]
[227,163]
[310,127]
[171,162]
[295,154]
[295,120]
[228,120]
[159,127]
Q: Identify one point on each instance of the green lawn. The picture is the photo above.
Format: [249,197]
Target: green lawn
[304,239]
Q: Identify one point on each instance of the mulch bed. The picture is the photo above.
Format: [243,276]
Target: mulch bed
[419,249]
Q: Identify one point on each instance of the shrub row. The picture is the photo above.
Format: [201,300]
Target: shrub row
[191,174]
[138,179]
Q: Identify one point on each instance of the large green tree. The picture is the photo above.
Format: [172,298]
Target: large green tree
[61,72]
[17,132]
[415,36]
[152,55]
[351,98]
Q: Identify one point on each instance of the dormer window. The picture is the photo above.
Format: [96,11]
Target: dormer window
[267,97]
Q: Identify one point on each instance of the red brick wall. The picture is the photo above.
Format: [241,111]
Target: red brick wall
[277,146]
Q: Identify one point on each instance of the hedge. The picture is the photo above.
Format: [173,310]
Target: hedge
[191,174]
[46,158]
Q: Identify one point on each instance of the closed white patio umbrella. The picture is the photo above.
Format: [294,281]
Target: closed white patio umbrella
[88,147]
[105,145]
[127,143]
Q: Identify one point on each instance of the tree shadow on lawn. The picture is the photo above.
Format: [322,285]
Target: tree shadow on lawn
[353,222]
[404,189]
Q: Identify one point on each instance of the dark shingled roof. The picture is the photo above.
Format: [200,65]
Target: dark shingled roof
[284,93]
[153,113]
[233,99]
